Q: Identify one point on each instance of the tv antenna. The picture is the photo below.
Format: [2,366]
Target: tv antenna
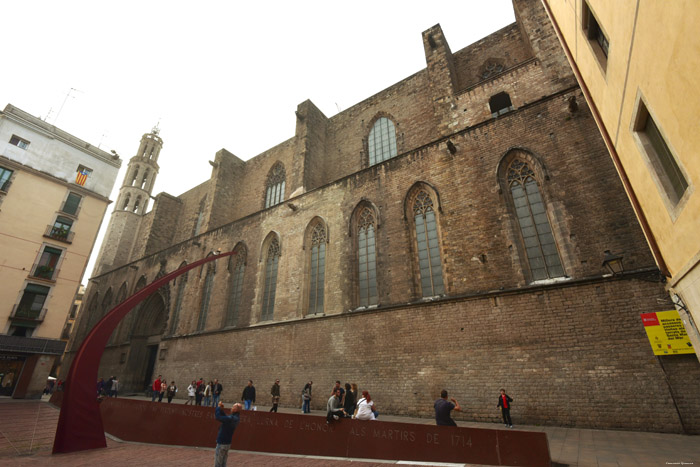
[68,94]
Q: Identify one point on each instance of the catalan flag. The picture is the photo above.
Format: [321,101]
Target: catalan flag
[81,177]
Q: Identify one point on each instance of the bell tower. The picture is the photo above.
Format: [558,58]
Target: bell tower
[141,173]
[131,205]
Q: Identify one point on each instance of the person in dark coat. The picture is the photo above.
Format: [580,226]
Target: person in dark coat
[349,404]
[275,393]
[248,395]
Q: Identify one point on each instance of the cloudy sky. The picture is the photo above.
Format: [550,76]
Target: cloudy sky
[214,74]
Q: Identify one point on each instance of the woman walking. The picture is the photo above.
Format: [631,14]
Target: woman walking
[190,393]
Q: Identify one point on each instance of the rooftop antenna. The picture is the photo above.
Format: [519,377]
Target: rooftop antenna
[337,107]
[102,138]
[156,129]
[64,103]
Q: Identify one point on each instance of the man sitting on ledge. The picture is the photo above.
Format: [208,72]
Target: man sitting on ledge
[335,411]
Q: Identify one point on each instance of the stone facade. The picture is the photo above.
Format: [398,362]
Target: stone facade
[570,348]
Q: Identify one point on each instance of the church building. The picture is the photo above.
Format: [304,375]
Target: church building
[448,232]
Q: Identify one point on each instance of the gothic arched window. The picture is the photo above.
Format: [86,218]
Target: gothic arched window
[106,305]
[121,296]
[428,245]
[274,188]
[127,198]
[206,298]
[491,68]
[271,262]
[317,267]
[236,285]
[382,141]
[367,258]
[200,217]
[181,283]
[540,247]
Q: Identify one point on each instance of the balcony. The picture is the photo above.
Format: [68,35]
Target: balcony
[59,233]
[27,314]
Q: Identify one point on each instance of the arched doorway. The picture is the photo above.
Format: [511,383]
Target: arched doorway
[149,326]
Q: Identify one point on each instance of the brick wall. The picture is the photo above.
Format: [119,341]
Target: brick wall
[573,355]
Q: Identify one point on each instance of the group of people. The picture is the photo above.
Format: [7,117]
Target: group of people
[443,407]
[342,403]
[200,393]
[109,388]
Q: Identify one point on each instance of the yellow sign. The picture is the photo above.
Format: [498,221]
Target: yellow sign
[666,333]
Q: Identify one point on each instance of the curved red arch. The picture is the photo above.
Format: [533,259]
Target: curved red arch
[80,422]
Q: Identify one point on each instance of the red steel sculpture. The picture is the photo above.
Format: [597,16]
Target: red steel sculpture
[80,422]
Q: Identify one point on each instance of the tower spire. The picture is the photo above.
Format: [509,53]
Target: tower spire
[131,205]
[141,174]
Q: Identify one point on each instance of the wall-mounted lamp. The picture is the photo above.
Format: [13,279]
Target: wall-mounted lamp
[479,258]
[451,147]
[291,206]
[613,262]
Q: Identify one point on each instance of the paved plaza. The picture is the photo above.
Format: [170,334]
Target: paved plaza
[28,429]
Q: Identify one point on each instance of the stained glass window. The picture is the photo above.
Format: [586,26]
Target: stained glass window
[430,265]
[382,141]
[540,247]
[271,263]
[236,287]
[181,283]
[367,258]
[206,298]
[274,192]
[318,268]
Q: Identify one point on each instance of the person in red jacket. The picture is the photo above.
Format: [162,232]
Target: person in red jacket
[155,389]
[504,401]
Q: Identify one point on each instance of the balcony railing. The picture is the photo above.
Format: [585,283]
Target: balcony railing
[59,233]
[44,272]
[27,314]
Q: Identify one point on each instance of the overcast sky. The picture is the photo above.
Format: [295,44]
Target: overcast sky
[214,74]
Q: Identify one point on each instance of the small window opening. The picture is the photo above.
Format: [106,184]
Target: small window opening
[500,104]
[19,142]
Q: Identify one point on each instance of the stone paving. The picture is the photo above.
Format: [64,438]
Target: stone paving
[27,430]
